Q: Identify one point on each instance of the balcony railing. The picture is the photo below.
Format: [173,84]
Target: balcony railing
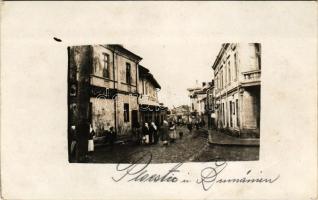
[146,99]
[252,77]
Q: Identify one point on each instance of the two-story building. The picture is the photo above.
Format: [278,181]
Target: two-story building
[112,86]
[118,91]
[237,73]
[149,107]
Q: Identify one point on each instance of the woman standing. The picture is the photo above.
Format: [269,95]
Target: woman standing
[165,132]
[145,132]
[90,139]
[173,133]
[153,132]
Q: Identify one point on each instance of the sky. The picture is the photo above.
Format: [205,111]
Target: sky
[177,66]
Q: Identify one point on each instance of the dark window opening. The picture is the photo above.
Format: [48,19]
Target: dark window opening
[106,66]
[128,75]
[258,54]
[126,112]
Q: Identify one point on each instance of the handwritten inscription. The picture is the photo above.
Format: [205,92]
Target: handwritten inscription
[137,171]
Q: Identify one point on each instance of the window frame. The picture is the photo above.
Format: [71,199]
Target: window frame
[126,112]
[128,73]
[106,72]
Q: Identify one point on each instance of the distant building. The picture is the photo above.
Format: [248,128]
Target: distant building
[209,105]
[180,114]
[198,97]
[237,75]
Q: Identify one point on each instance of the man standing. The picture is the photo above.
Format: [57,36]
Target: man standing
[213,117]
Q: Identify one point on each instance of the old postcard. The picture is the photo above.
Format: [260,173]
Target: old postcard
[159,100]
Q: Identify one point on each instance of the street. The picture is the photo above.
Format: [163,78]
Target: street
[193,147]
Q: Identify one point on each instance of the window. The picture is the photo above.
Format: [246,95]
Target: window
[233,107]
[126,112]
[223,113]
[229,67]
[230,103]
[106,65]
[225,74]
[235,66]
[258,54]
[237,114]
[128,76]
[222,79]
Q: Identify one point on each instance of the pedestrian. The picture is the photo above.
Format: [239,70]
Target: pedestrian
[106,133]
[91,139]
[189,126]
[137,133]
[112,136]
[72,143]
[165,133]
[154,133]
[145,132]
[173,134]
[213,117]
[202,123]
[180,135]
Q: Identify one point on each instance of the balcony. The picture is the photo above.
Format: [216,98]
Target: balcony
[148,100]
[251,78]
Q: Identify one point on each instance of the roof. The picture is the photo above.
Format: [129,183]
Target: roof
[219,56]
[145,73]
[121,49]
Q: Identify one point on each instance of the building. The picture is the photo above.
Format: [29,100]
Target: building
[150,108]
[209,105]
[108,87]
[237,73]
[198,97]
[180,114]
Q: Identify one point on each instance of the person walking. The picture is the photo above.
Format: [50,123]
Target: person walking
[72,142]
[189,126]
[112,137]
[165,132]
[145,132]
[138,133]
[91,140]
[213,119]
[173,134]
[153,132]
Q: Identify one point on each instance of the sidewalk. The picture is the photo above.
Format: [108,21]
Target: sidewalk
[218,138]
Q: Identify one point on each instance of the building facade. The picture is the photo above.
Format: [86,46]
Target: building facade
[198,98]
[115,91]
[237,76]
[209,105]
[180,114]
[150,108]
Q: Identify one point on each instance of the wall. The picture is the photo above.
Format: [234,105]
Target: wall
[123,127]
[149,94]
[120,62]
[102,113]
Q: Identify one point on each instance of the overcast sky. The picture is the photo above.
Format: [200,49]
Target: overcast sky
[177,66]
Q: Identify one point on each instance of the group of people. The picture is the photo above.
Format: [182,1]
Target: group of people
[147,134]
[150,133]
[197,124]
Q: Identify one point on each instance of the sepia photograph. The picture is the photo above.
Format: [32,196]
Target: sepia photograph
[155,100]
[120,109]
